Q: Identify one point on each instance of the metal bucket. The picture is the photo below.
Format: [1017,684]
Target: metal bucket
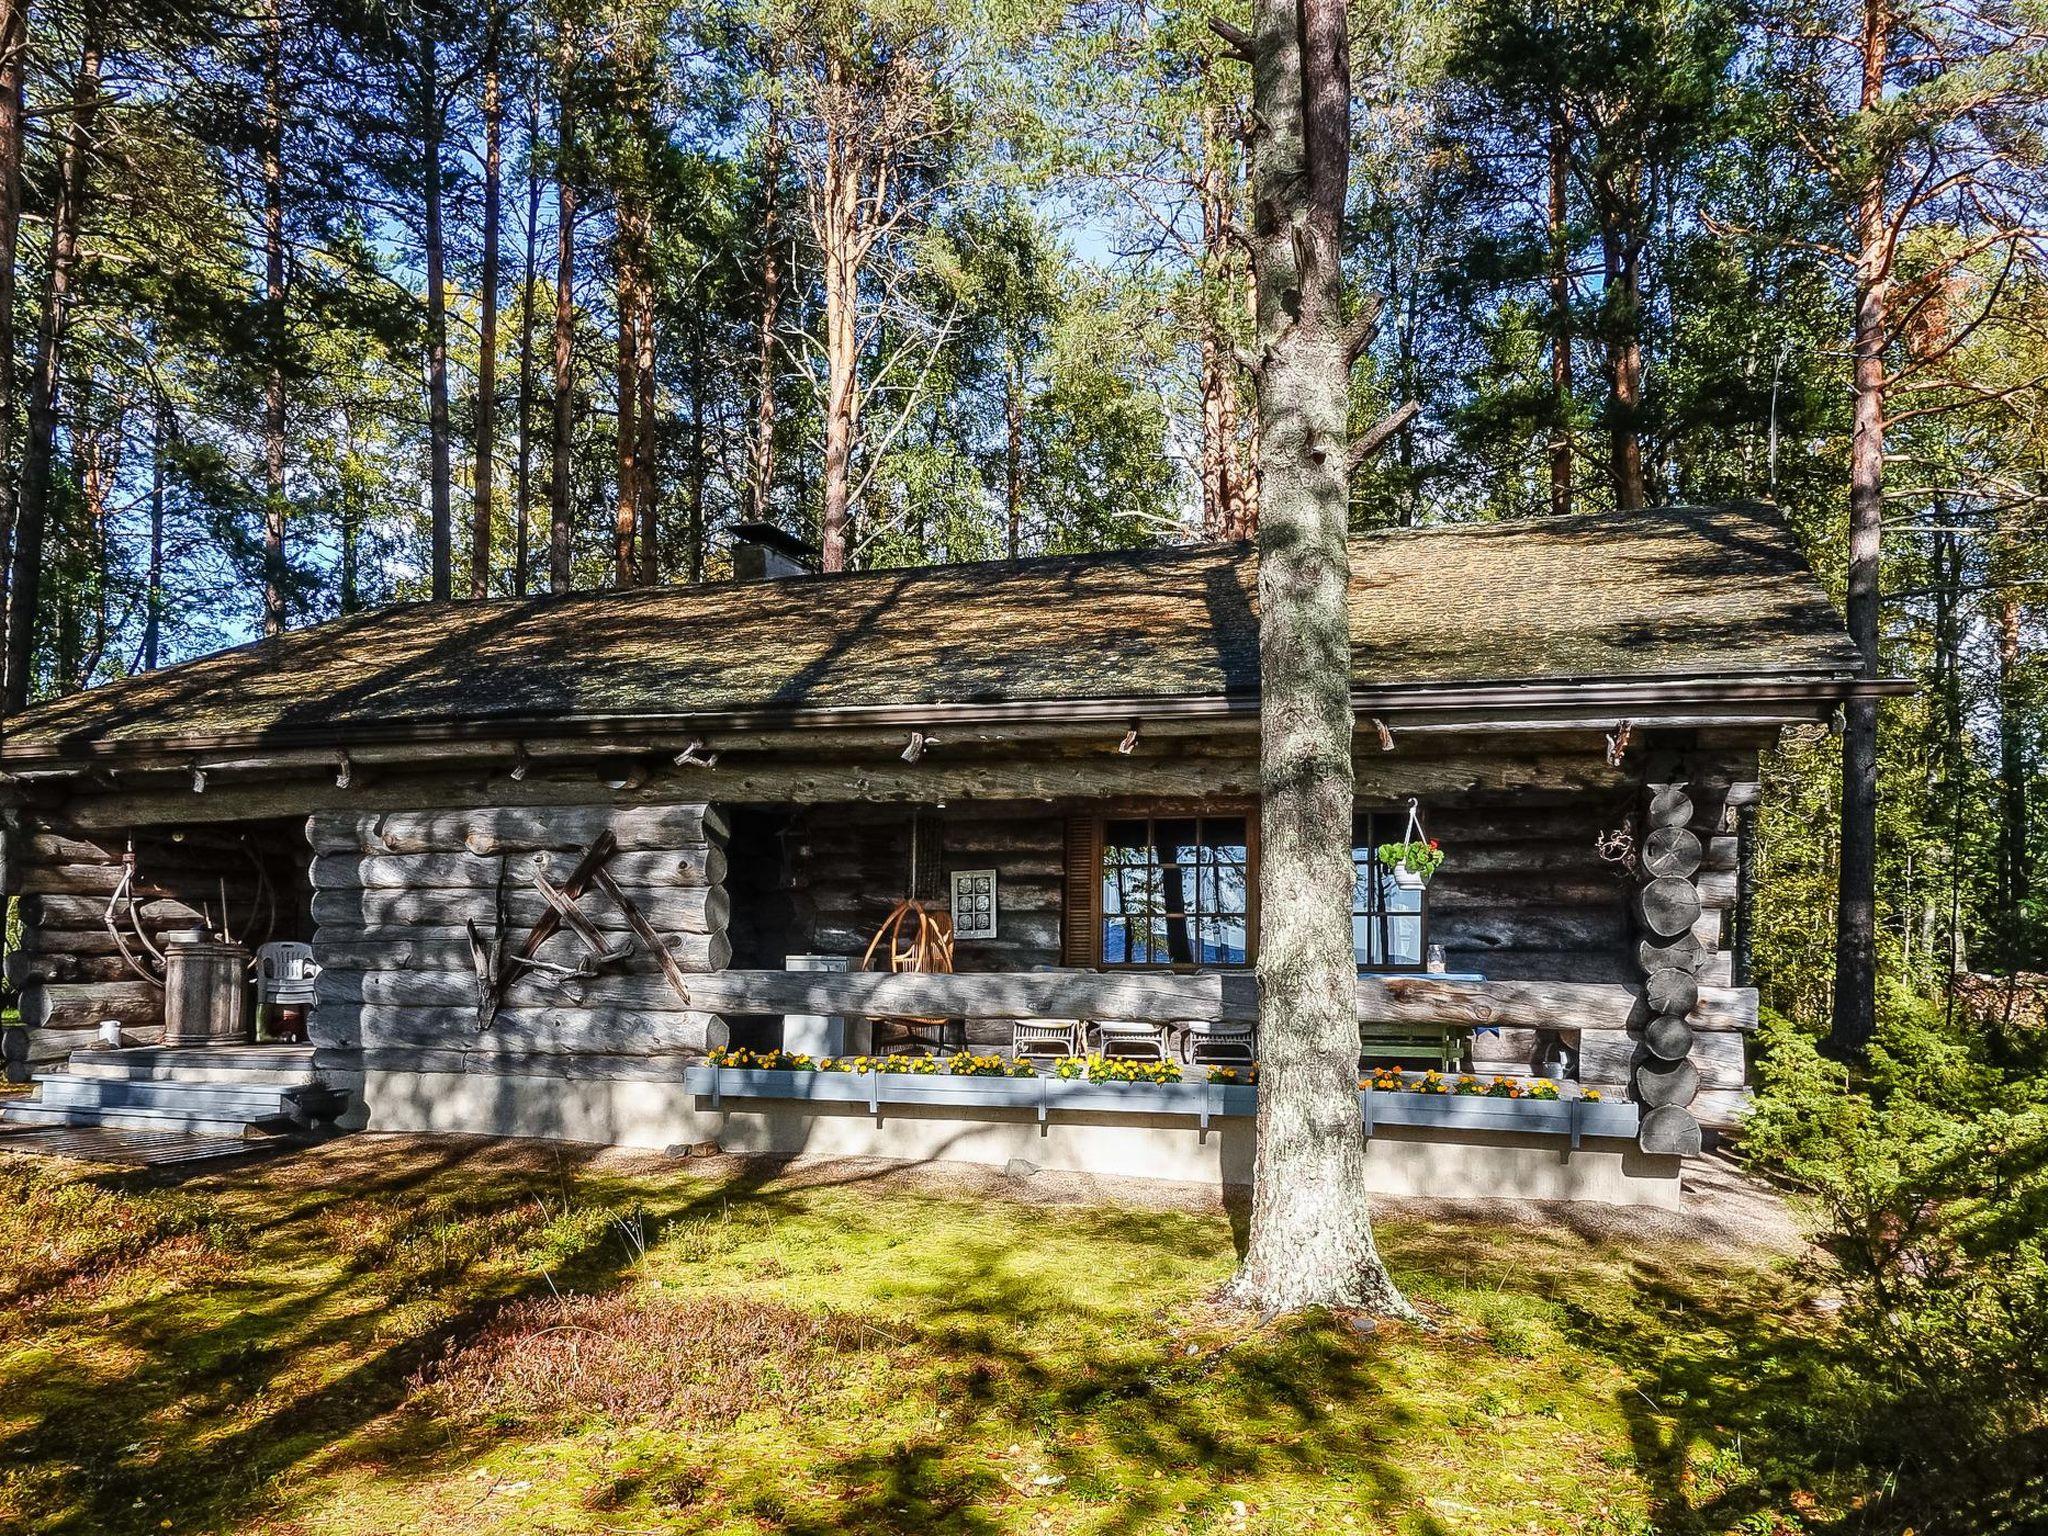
[206,991]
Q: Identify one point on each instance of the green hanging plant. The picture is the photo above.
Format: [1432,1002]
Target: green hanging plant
[1419,858]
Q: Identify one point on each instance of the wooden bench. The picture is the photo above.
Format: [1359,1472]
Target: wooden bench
[1439,1046]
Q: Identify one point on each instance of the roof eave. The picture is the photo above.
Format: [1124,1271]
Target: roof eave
[1559,703]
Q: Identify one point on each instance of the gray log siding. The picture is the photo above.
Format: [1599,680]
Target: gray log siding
[1524,899]
[392,894]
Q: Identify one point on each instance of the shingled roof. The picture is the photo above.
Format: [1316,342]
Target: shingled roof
[1680,594]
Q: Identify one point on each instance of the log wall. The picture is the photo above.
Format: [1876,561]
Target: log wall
[393,894]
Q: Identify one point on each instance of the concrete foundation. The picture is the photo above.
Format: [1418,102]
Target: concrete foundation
[1400,1160]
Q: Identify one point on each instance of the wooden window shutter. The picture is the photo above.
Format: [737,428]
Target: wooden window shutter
[1081,937]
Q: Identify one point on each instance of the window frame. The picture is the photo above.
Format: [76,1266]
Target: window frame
[1151,815]
[1393,823]
[1084,877]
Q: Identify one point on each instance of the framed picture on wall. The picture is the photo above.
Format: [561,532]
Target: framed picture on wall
[974,903]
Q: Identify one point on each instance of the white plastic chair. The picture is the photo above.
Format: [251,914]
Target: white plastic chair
[285,973]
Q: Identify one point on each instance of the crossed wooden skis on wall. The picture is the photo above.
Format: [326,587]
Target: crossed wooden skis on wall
[497,967]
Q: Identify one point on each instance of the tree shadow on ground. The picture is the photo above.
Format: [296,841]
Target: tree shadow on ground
[1744,1402]
[190,1404]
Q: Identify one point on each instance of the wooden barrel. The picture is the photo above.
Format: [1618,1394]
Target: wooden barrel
[206,991]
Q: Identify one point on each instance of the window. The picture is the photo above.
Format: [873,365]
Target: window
[1387,923]
[1176,890]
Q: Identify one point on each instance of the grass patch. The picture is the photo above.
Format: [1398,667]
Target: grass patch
[60,1232]
[635,1357]
[483,1338]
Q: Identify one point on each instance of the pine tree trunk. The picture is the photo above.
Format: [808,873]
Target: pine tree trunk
[13,70]
[522,544]
[440,467]
[273,327]
[351,519]
[1013,453]
[1311,1241]
[33,517]
[761,459]
[839,233]
[698,467]
[153,578]
[487,333]
[647,489]
[1623,323]
[625,514]
[1560,318]
[561,448]
[2015,867]
[1855,1008]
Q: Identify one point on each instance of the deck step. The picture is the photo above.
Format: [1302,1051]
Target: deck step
[230,1091]
[251,1101]
[133,1118]
[290,1065]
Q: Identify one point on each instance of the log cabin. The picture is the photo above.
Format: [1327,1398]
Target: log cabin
[556,856]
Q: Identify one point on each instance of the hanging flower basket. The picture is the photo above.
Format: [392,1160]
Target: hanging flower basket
[1415,859]
[1412,863]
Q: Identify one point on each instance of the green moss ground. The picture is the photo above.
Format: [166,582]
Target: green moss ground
[259,1350]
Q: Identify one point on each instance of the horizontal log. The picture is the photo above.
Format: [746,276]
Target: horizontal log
[1669,1131]
[1718,1108]
[543,1030]
[1666,1082]
[1603,927]
[492,830]
[826,936]
[1527,856]
[1165,997]
[96,880]
[62,1005]
[1453,890]
[658,870]
[971,838]
[90,912]
[640,991]
[47,1047]
[735,782]
[25,967]
[447,949]
[683,909]
[36,939]
[48,847]
[1609,1055]
[1611,966]
[1668,907]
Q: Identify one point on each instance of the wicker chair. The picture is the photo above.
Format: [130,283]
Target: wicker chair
[1038,1040]
[1206,1043]
[912,940]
